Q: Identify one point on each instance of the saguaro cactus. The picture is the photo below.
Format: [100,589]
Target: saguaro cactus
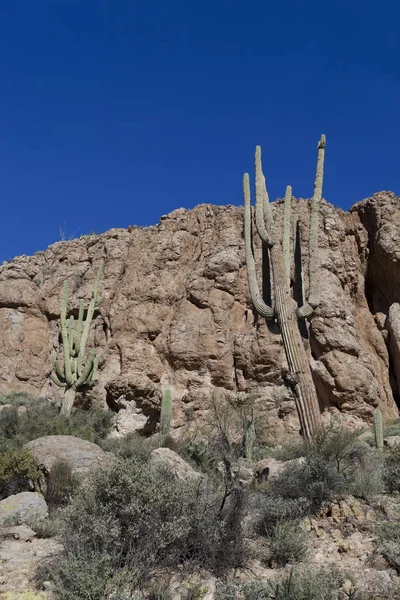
[166,413]
[285,309]
[59,485]
[78,370]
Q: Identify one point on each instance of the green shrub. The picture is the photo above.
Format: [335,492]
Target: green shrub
[315,481]
[159,591]
[131,446]
[367,480]
[271,509]
[29,418]
[288,543]
[391,470]
[18,473]
[201,454]
[45,527]
[305,584]
[388,543]
[81,576]
[289,451]
[141,518]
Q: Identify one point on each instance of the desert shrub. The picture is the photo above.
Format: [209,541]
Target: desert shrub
[388,543]
[18,472]
[29,418]
[130,446]
[45,527]
[140,518]
[391,469]
[288,543]
[289,451]
[315,481]
[367,480]
[81,576]
[270,509]
[159,591]
[201,455]
[360,466]
[305,584]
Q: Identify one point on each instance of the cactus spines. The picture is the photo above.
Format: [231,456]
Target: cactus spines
[59,485]
[378,428]
[166,412]
[284,309]
[78,370]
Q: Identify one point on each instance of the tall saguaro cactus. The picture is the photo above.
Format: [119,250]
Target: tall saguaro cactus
[78,370]
[285,310]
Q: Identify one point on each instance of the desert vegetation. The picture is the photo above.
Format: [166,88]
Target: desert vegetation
[133,528]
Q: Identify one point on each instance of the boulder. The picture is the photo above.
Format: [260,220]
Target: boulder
[81,454]
[392,441]
[18,532]
[166,458]
[22,507]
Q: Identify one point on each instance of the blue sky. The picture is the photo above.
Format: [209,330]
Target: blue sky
[114,112]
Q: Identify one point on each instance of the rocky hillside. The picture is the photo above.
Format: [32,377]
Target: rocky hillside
[177,313]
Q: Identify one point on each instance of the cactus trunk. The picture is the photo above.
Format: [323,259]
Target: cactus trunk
[300,378]
[68,401]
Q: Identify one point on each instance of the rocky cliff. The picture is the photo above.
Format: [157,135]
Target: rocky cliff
[177,313]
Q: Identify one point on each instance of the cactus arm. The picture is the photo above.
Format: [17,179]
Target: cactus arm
[378,428]
[84,379]
[263,309]
[263,220]
[71,335]
[91,308]
[94,370]
[59,383]
[313,283]
[59,372]
[286,230]
[79,327]
[65,340]
[99,300]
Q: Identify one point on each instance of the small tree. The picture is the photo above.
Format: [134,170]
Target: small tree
[78,370]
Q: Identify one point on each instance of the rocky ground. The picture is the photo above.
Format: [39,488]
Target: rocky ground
[340,537]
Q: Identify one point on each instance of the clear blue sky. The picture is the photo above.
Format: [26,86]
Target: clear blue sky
[114,112]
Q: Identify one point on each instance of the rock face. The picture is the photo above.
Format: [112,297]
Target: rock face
[81,454]
[24,507]
[177,313]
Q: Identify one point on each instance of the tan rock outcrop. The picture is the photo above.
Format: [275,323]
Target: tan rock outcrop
[177,313]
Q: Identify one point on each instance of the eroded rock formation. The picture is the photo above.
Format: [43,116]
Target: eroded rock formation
[177,313]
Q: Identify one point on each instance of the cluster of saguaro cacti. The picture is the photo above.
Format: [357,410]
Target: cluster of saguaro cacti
[59,485]
[78,369]
[165,415]
[285,310]
[378,428]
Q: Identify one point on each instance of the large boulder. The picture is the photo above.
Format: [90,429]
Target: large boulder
[81,454]
[23,507]
[168,459]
